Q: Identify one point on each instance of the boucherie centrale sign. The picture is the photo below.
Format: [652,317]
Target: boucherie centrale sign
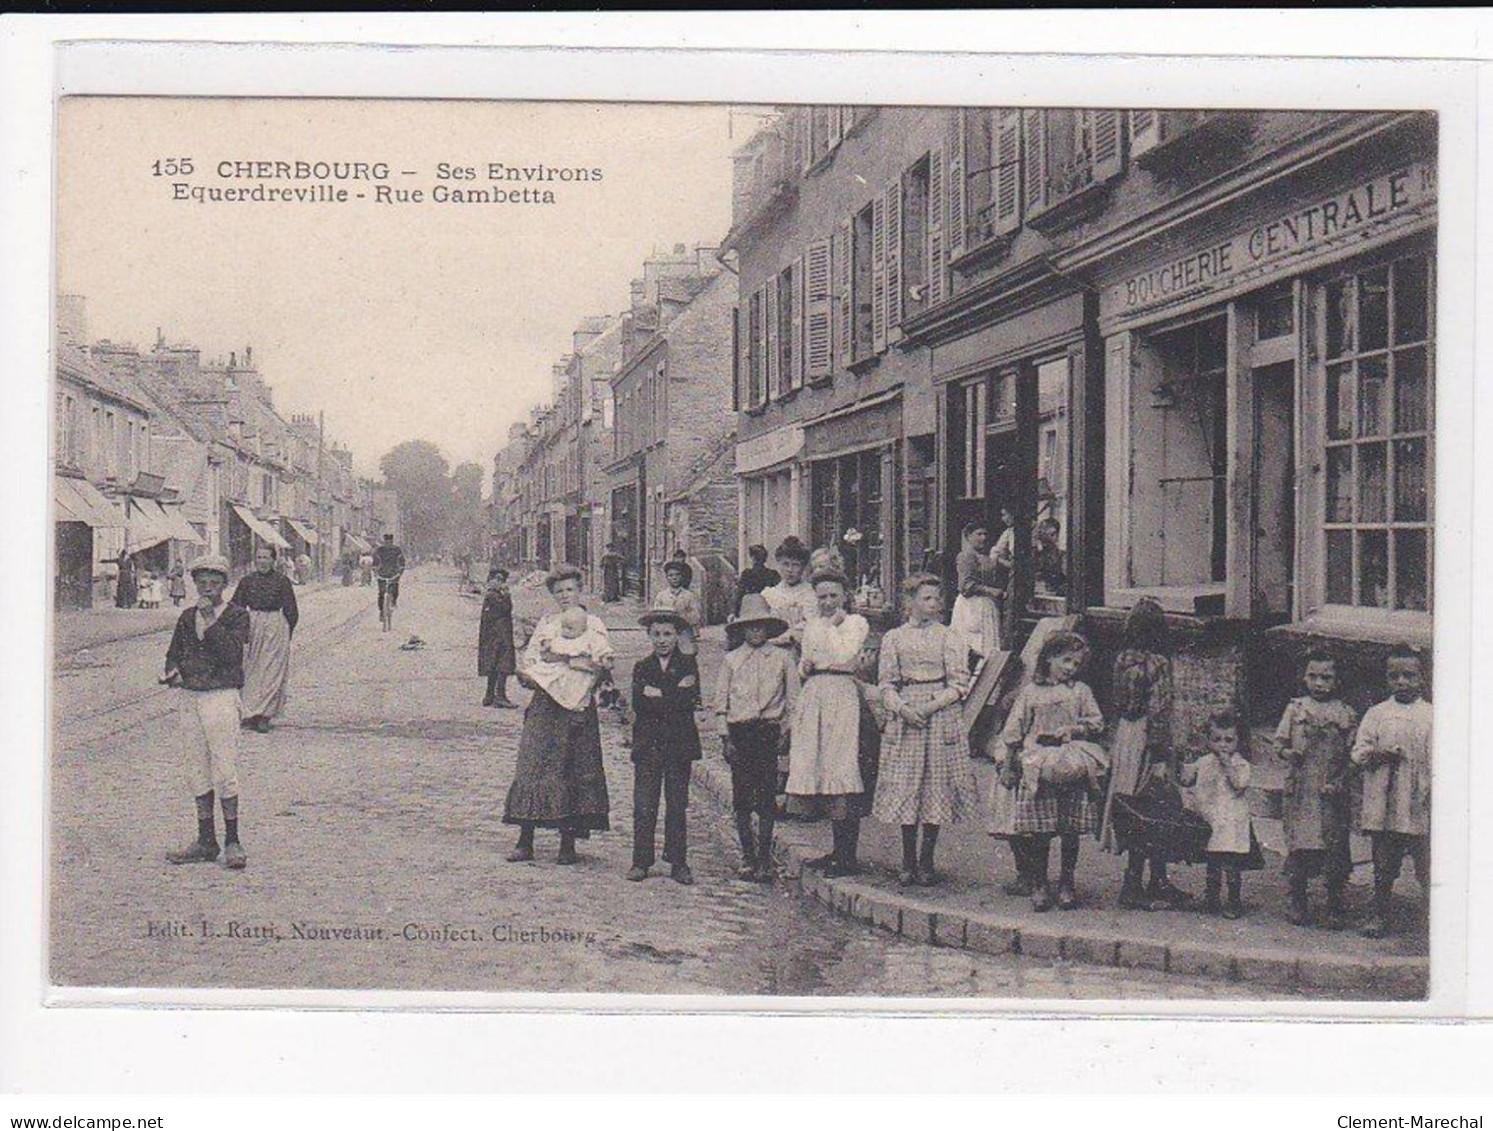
[1384,203]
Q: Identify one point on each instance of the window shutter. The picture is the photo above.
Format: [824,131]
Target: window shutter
[736,366]
[754,351]
[770,337]
[937,252]
[956,194]
[837,116]
[1145,131]
[878,274]
[1007,155]
[805,137]
[845,293]
[1034,133]
[796,370]
[818,340]
[1104,129]
[894,295]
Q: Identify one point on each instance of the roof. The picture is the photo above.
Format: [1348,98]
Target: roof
[75,364]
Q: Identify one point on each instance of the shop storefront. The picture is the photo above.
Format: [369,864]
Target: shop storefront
[1017,378]
[769,479]
[1269,420]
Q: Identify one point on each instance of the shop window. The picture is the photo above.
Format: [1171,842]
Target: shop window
[1377,437]
[1275,313]
[1178,456]
[1050,534]
[847,496]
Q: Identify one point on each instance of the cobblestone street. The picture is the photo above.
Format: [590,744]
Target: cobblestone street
[372,819]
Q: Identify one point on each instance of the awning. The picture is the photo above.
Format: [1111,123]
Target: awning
[358,544]
[309,536]
[264,530]
[147,525]
[181,529]
[80,501]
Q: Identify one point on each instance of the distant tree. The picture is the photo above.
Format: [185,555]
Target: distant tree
[419,476]
[467,528]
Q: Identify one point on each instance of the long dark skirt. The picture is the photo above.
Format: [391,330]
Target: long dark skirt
[559,780]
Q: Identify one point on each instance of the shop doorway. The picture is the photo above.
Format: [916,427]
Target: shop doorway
[1273,493]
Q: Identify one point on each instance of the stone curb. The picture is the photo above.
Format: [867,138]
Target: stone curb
[925,921]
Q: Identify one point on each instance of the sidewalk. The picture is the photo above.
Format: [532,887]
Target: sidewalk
[969,909]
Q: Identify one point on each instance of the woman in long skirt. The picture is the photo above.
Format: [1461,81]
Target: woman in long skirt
[824,774]
[975,612]
[496,658]
[559,782]
[925,777]
[270,598]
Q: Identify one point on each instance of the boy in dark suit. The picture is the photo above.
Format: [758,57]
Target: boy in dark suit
[665,743]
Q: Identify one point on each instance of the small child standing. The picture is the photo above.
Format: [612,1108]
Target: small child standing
[665,743]
[1313,738]
[758,691]
[1052,761]
[1393,749]
[1220,793]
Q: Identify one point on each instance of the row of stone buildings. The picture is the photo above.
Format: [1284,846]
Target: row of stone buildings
[634,450]
[164,456]
[1193,350]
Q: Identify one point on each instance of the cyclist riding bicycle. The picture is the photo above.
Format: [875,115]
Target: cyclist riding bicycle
[388,565]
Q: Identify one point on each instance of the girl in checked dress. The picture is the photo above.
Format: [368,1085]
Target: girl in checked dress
[925,777]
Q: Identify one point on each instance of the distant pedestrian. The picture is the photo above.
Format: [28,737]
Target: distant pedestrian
[496,656]
[1393,749]
[792,597]
[1314,739]
[665,744]
[925,776]
[178,579]
[824,771]
[679,598]
[1219,782]
[126,592]
[559,781]
[206,660]
[756,577]
[270,599]
[611,574]
[759,689]
[365,567]
[1142,758]
[1052,765]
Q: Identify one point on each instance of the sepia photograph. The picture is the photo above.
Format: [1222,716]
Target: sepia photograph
[773,551]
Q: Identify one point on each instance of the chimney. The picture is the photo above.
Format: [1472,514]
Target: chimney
[72,319]
[232,360]
[248,357]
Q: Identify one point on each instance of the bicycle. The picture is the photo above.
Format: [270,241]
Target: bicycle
[388,597]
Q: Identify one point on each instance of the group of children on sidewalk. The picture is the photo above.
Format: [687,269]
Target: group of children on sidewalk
[894,746]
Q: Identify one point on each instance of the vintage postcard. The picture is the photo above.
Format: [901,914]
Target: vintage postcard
[972,552]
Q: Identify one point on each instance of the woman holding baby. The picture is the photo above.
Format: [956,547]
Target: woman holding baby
[559,782]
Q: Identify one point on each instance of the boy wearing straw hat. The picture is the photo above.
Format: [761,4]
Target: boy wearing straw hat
[759,688]
[206,660]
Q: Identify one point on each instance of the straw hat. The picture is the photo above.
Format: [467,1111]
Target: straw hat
[756,610]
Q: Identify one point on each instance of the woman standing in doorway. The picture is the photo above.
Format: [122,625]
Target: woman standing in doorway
[270,598]
[975,611]
[559,782]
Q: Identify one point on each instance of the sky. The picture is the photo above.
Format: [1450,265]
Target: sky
[401,321]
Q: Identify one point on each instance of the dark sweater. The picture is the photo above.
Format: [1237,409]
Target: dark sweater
[268,593]
[216,660]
